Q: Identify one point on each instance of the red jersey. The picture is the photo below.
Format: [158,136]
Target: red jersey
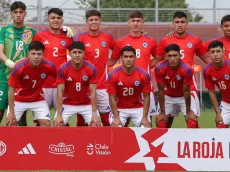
[189,46]
[76,82]
[56,46]
[128,87]
[30,80]
[145,46]
[226,43]
[174,79]
[219,77]
[97,52]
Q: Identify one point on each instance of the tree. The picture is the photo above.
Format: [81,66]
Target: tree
[4,10]
[122,15]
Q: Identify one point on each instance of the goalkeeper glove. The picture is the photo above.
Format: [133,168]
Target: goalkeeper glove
[9,63]
[68,30]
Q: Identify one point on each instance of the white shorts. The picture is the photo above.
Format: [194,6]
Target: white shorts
[50,95]
[135,114]
[103,101]
[69,110]
[39,109]
[152,106]
[174,105]
[225,112]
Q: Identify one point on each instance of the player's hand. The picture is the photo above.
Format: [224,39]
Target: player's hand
[143,32]
[145,122]
[58,122]
[170,34]
[116,122]
[68,30]
[95,121]
[160,117]
[219,119]
[11,120]
[191,115]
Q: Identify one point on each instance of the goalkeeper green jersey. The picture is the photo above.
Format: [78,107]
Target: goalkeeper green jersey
[16,43]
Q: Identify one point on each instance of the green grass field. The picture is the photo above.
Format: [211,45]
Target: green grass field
[206,120]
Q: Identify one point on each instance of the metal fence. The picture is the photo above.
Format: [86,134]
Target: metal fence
[36,14]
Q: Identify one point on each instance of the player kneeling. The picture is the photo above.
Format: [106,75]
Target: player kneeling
[174,78]
[29,74]
[125,87]
[217,73]
[75,78]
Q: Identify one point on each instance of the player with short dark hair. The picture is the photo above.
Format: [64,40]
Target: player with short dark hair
[76,91]
[25,86]
[174,78]
[97,47]
[217,73]
[125,87]
[190,45]
[56,45]
[225,27]
[144,45]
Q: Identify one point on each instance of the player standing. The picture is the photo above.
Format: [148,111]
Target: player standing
[56,44]
[14,41]
[174,78]
[144,45]
[217,73]
[97,46]
[75,78]
[125,87]
[190,46]
[30,74]
[225,27]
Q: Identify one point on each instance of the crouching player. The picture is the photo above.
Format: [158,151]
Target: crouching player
[125,87]
[217,73]
[29,74]
[75,78]
[174,78]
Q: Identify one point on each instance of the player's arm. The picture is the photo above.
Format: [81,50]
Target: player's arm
[206,58]
[115,55]
[145,120]
[161,92]
[95,121]
[9,63]
[59,120]
[113,106]
[11,118]
[187,98]
[160,54]
[213,98]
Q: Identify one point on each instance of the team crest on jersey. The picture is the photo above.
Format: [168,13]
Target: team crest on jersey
[137,83]
[24,36]
[63,43]
[85,78]
[103,44]
[178,77]
[189,45]
[145,45]
[226,76]
[43,75]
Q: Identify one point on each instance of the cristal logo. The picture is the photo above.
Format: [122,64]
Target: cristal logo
[62,149]
[98,149]
[200,149]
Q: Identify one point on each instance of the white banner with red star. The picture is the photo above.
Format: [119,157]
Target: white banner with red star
[105,148]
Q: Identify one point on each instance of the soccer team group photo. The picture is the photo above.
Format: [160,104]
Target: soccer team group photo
[105,81]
